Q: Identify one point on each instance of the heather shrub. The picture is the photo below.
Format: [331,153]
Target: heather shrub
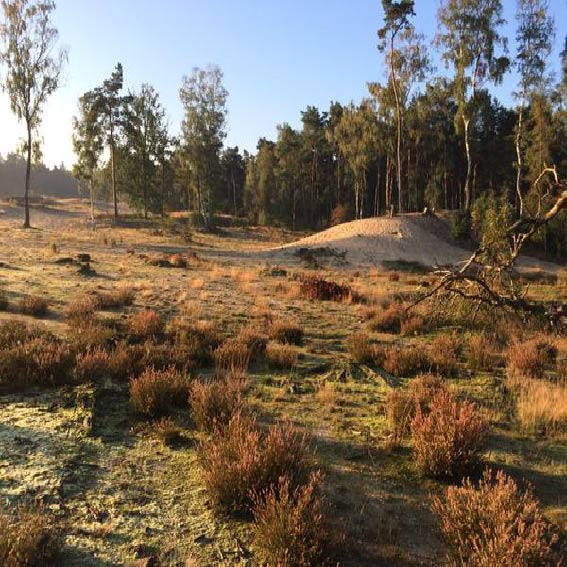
[147,324]
[286,333]
[27,539]
[198,339]
[165,355]
[444,354]
[14,332]
[254,340]
[90,334]
[323,290]
[81,311]
[41,361]
[158,392]
[401,403]
[393,276]
[215,402]
[413,324]
[494,524]
[232,356]
[359,348]
[239,461]
[117,298]
[406,361]
[291,525]
[448,439]
[528,359]
[93,365]
[34,305]
[389,319]
[281,356]
[481,352]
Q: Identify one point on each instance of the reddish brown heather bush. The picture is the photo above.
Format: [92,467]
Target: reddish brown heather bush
[89,335]
[323,290]
[158,392]
[27,539]
[42,361]
[34,305]
[291,527]
[198,339]
[254,340]
[401,403]
[164,355]
[146,324]
[339,214]
[389,320]
[125,361]
[481,352]
[240,461]
[448,439]
[117,298]
[81,311]
[232,356]
[359,348]
[281,356]
[14,332]
[93,365]
[178,261]
[393,276]
[413,324]
[214,403]
[495,524]
[529,359]
[286,333]
[444,354]
[167,431]
[406,361]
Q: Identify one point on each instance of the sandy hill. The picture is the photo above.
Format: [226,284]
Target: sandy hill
[411,238]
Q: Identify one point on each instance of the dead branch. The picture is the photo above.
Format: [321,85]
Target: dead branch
[479,281]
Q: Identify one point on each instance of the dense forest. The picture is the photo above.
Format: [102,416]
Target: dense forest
[423,137]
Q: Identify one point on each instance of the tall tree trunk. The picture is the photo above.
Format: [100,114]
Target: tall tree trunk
[91,192]
[466,123]
[233,191]
[398,125]
[28,174]
[113,170]
[520,203]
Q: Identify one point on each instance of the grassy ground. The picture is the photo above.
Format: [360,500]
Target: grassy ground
[119,494]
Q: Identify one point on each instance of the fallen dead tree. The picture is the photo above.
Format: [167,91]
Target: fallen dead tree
[487,277]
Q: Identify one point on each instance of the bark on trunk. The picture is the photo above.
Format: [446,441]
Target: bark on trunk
[27,187]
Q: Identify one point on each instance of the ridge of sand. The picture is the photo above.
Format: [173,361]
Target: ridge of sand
[411,238]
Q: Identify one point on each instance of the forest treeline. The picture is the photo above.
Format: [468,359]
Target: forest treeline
[56,182]
[422,137]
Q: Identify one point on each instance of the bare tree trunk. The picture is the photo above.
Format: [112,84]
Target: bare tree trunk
[91,192]
[113,169]
[28,175]
[519,156]
[398,125]
[466,122]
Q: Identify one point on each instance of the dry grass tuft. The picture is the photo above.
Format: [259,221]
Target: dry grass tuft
[281,356]
[447,440]
[117,298]
[359,348]
[406,361]
[444,354]
[495,524]
[167,431]
[34,305]
[542,406]
[286,333]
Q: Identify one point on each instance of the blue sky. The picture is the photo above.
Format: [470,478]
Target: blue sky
[277,56]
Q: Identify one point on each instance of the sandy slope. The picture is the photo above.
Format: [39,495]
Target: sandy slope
[372,241]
